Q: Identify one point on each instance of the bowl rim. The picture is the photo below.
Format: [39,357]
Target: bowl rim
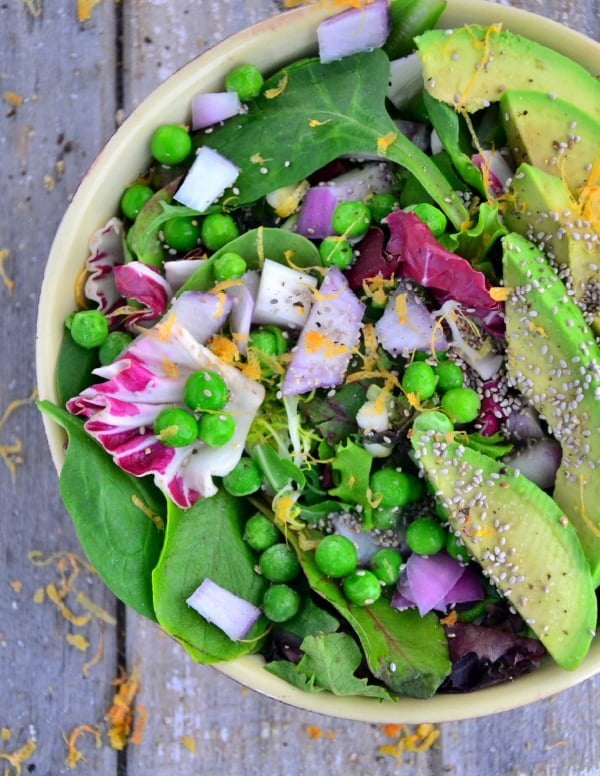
[297,29]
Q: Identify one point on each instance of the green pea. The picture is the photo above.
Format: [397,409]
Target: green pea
[176,427]
[218,229]
[425,536]
[381,205]
[182,234]
[419,379]
[264,341]
[280,603]
[433,421]
[260,533]
[351,219]
[134,198]
[476,611]
[450,375]
[171,144]
[455,548]
[89,328]
[216,430]
[386,565]
[392,486]
[245,478]
[246,80]
[282,344]
[336,252]
[69,320]
[385,518]
[416,488]
[362,588]
[279,563]
[205,391]
[336,556]
[113,346]
[431,217]
[462,405]
[229,266]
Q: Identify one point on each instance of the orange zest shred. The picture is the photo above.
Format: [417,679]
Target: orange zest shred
[39,596]
[21,755]
[450,618]
[8,282]
[5,734]
[314,731]
[120,714]
[271,94]
[378,288]
[74,755]
[538,329]
[486,58]
[16,585]
[34,7]
[257,159]
[421,740]
[98,612]
[97,656]
[224,348]
[12,98]
[189,743]
[79,641]
[315,123]
[11,454]
[141,718]
[500,293]
[156,519]
[392,730]
[589,197]
[70,616]
[317,341]
[85,8]
[385,141]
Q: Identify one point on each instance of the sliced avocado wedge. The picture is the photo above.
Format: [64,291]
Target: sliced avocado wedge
[551,134]
[519,536]
[543,210]
[472,66]
[554,360]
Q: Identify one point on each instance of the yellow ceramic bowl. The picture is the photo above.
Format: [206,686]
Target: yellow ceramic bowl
[270,45]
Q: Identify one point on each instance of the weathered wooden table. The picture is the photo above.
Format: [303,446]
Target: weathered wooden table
[69,71]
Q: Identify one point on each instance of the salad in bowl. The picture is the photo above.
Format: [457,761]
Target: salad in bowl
[330,374]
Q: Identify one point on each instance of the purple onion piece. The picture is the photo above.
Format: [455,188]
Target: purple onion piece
[492,411]
[202,314]
[364,541]
[233,615]
[416,132]
[355,30]
[523,425]
[428,580]
[316,212]
[147,286]
[497,173]
[180,270]
[326,343]
[406,80]
[106,253]
[407,325]
[243,299]
[538,461]
[213,107]
[206,180]
[467,588]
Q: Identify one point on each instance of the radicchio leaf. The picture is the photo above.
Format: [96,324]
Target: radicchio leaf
[145,285]
[106,252]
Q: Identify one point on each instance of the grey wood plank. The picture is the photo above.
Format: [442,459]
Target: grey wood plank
[65,72]
[238,732]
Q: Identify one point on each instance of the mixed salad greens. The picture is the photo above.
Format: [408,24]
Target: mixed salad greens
[332,388]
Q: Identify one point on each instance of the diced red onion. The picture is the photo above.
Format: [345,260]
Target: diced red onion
[328,339]
[233,615]
[206,180]
[410,326]
[180,270]
[538,461]
[467,588]
[106,252]
[242,300]
[211,108]
[203,315]
[485,362]
[523,425]
[355,30]
[364,541]
[284,296]
[406,80]
[315,216]
[415,132]
[497,174]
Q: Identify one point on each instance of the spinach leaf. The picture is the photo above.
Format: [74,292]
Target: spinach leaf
[278,472]
[494,446]
[353,466]
[320,113]
[454,137]
[255,246]
[202,542]
[334,417]
[142,238]
[409,19]
[329,663]
[74,368]
[116,516]
[311,620]
[475,243]
[409,653]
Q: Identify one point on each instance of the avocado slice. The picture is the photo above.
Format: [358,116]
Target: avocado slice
[472,66]
[543,210]
[521,539]
[554,360]
[551,134]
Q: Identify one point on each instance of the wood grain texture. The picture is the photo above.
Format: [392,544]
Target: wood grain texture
[64,71]
[199,722]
